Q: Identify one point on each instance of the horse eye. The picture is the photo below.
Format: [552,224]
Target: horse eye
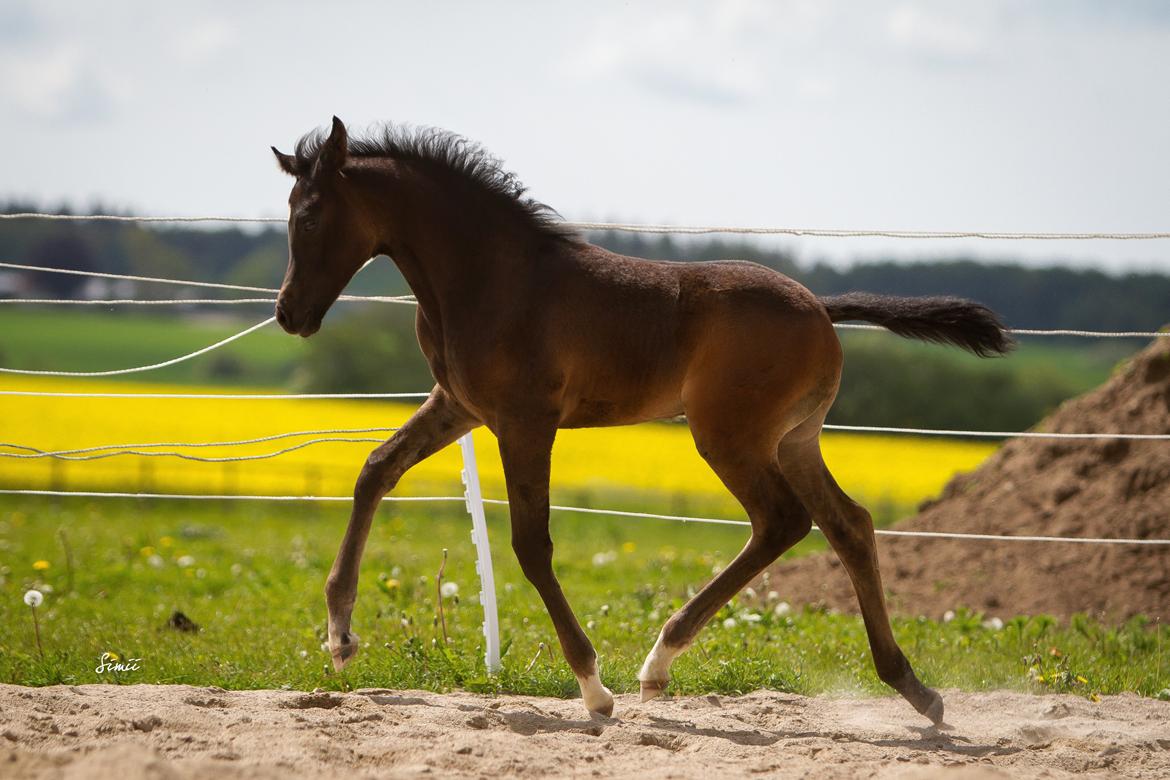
[309,225]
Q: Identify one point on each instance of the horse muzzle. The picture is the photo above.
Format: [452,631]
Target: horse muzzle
[303,324]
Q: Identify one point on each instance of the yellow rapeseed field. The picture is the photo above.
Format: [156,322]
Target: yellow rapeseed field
[644,459]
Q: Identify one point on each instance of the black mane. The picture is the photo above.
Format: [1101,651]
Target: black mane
[454,154]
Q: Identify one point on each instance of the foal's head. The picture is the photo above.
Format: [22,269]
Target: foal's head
[329,235]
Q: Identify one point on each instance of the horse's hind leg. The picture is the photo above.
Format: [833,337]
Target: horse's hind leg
[778,520]
[437,423]
[849,529]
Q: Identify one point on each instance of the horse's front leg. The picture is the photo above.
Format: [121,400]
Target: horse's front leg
[437,423]
[526,452]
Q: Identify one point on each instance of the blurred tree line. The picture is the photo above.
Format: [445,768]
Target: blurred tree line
[888,381]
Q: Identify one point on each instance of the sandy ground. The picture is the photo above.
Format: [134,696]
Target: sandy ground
[174,731]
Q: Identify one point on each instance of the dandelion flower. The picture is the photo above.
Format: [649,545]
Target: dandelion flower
[185,560]
[782,609]
[1081,679]
[629,547]
[948,616]
[448,589]
[156,561]
[34,598]
[729,623]
[40,565]
[995,624]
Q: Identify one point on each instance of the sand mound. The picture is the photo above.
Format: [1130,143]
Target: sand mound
[176,731]
[1106,488]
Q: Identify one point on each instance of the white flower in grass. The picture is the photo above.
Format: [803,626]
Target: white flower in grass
[729,623]
[448,589]
[948,616]
[773,595]
[185,560]
[750,617]
[782,609]
[749,593]
[156,561]
[602,558]
[993,624]
[33,598]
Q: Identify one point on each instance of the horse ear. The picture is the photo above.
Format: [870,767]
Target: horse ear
[334,151]
[287,162]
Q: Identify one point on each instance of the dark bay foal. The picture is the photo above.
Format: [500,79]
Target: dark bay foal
[527,329]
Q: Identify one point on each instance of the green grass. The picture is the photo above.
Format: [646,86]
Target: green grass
[72,340]
[255,582]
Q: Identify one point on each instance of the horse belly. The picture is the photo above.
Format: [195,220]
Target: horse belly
[620,400]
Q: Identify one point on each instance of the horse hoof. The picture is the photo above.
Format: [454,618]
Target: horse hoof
[598,699]
[652,689]
[934,710]
[344,653]
[602,709]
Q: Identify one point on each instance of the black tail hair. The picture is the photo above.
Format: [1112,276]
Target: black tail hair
[944,320]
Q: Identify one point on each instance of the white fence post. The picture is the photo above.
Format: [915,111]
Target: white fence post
[483,560]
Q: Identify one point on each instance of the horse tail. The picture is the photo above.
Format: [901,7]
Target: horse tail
[945,320]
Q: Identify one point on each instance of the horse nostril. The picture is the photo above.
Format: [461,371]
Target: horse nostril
[281,315]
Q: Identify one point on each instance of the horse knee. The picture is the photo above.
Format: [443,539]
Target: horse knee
[378,476]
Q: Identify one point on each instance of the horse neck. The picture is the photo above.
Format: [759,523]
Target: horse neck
[447,246]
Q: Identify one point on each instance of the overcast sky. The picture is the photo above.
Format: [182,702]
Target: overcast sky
[1007,116]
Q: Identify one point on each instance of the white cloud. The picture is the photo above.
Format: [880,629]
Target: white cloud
[702,54]
[955,38]
[203,41]
[55,83]
[815,86]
